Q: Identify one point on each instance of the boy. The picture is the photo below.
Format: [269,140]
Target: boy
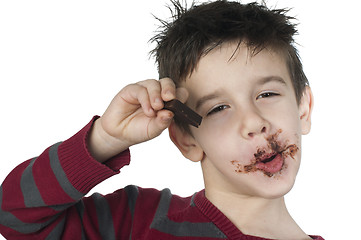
[233,64]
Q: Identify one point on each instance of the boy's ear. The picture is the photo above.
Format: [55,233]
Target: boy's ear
[185,143]
[305,110]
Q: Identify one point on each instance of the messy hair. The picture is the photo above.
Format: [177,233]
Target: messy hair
[193,32]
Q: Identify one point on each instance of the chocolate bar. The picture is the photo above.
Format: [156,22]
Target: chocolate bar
[183,113]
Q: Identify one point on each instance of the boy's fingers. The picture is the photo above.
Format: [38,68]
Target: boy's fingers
[160,123]
[151,93]
[138,94]
[168,89]
[153,87]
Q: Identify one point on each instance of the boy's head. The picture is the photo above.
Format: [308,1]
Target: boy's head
[192,33]
[245,79]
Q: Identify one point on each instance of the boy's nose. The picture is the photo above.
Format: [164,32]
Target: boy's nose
[253,124]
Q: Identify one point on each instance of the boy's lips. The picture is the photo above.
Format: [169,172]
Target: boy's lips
[269,163]
[272,164]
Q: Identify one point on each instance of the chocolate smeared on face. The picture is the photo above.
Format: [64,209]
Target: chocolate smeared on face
[269,162]
[239,166]
[273,143]
[259,153]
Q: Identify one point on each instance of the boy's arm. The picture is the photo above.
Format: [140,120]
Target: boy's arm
[39,197]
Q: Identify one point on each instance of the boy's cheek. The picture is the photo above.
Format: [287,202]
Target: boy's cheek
[227,120]
[212,125]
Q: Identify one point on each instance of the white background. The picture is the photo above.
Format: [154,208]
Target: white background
[61,62]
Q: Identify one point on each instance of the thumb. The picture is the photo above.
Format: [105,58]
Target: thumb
[158,124]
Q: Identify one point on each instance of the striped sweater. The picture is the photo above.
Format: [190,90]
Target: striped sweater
[43,198]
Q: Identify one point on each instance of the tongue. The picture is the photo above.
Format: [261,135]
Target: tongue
[272,166]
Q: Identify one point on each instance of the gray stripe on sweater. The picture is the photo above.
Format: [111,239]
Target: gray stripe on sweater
[9,220]
[30,191]
[192,200]
[32,197]
[60,175]
[57,231]
[105,220]
[132,193]
[162,223]
[80,209]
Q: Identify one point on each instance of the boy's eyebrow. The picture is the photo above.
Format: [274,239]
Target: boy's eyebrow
[205,98]
[265,80]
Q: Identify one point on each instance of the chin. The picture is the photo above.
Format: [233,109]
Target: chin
[276,186]
[276,191]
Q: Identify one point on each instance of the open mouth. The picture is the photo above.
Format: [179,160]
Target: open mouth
[268,158]
[269,164]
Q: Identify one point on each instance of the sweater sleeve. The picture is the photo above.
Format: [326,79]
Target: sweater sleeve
[44,194]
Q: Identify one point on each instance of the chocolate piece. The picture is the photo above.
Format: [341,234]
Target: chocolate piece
[183,113]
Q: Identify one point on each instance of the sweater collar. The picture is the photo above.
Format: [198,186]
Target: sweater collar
[219,219]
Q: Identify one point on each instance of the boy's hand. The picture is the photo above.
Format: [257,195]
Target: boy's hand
[135,115]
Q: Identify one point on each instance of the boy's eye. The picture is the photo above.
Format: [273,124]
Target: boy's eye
[217,109]
[267,94]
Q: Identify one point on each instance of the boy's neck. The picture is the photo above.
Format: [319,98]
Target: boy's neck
[255,216]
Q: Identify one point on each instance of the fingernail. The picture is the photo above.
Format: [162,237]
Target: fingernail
[167,117]
[169,94]
[158,101]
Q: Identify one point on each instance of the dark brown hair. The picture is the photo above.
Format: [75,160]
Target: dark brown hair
[193,32]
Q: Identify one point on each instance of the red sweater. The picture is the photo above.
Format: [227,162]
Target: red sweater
[43,198]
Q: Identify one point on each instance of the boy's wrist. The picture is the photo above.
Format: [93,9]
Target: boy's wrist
[101,145]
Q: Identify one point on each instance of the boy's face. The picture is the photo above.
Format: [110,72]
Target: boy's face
[249,141]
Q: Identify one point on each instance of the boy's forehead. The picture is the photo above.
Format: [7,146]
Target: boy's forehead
[232,59]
